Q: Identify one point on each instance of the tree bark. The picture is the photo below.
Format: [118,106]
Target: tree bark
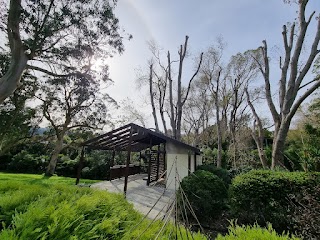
[54,157]
[11,80]
[152,98]
[259,139]
[219,122]
[292,75]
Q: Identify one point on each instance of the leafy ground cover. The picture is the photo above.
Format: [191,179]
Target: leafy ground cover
[33,207]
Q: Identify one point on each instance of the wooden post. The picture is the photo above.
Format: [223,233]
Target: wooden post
[158,161]
[113,156]
[127,165]
[81,160]
[189,163]
[149,163]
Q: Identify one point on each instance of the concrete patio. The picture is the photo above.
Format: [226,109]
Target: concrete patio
[143,197]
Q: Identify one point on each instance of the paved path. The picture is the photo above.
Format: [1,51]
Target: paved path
[142,196]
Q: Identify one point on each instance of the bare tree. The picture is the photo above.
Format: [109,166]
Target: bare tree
[164,96]
[293,73]
[176,109]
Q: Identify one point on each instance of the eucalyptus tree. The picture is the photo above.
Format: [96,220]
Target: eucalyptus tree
[198,113]
[242,70]
[295,84]
[213,73]
[43,35]
[17,120]
[73,102]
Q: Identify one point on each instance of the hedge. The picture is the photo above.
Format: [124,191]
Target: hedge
[264,196]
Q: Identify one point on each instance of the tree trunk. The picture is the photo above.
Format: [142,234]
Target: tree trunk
[279,139]
[54,157]
[152,99]
[10,81]
[219,122]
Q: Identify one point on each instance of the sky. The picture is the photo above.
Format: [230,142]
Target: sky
[243,24]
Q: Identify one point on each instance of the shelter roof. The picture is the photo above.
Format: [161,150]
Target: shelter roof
[142,138]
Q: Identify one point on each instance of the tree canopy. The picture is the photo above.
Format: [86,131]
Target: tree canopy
[46,36]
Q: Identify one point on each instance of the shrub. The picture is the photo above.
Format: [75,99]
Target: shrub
[306,212]
[263,195]
[253,233]
[206,193]
[223,174]
[25,162]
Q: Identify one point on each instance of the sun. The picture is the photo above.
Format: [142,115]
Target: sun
[97,64]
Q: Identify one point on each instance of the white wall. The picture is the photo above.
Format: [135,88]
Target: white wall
[177,161]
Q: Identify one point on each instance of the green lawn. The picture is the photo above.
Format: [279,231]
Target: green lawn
[41,179]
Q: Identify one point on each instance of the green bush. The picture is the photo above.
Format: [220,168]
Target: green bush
[25,162]
[206,193]
[58,211]
[262,196]
[305,213]
[253,233]
[223,174]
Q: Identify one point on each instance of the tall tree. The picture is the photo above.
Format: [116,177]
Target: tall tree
[165,96]
[214,74]
[293,90]
[75,102]
[199,110]
[45,35]
[242,70]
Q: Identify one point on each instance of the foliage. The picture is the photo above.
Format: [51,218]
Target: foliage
[262,196]
[306,212]
[35,210]
[97,165]
[302,152]
[223,174]
[253,233]
[206,193]
[25,162]
[56,33]
[29,156]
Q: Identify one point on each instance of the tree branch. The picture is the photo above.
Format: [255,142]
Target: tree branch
[297,104]
[39,69]
[193,76]
[274,113]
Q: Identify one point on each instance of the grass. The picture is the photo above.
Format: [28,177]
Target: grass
[41,179]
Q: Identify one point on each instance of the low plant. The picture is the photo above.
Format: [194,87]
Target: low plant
[254,232]
[38,210]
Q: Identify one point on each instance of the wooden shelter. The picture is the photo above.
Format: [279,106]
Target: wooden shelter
[169,153]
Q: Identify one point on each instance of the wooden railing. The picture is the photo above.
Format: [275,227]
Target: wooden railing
[119,171]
